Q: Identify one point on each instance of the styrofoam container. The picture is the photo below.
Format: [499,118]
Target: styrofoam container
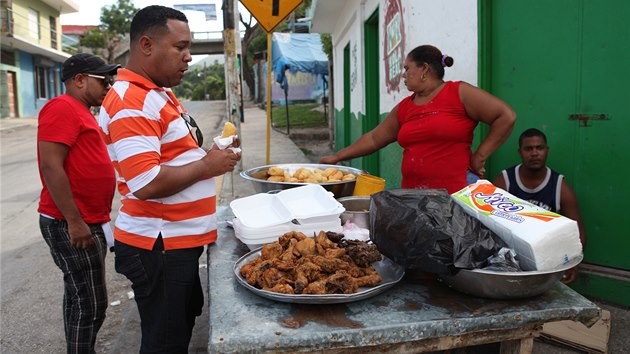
[301,203]
[309,201]
[261,210]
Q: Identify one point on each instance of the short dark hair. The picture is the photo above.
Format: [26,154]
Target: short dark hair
[151,18]
[530,133]
[432,56]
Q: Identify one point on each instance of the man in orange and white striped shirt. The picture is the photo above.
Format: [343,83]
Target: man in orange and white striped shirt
[165,179]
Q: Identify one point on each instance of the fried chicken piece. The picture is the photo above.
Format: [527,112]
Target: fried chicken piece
[330,265]
[368,280]
[316,287]
[282,289]
[338,283]
[272,277]
[334,236]
[341,283]
[289,254]
[334,252]
[285,266]
[286,238]
[271,250]
[323,240]
[306,247]
[363,253]
[249,266]
[254,277]
[305,273]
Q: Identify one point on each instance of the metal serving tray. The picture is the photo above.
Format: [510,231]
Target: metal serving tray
[391,273]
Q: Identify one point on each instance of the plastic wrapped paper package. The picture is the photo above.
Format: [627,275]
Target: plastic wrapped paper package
[424,229]
[541,239]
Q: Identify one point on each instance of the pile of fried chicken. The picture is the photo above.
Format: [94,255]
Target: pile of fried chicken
[324,264]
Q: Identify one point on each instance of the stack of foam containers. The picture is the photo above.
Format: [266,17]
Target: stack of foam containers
[262,218]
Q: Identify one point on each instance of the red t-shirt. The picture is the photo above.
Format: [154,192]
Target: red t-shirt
[436,138]
[90,171]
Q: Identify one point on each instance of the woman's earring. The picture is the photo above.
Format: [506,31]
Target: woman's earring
[424,77]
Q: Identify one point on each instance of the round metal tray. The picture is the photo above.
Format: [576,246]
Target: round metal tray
[506,285]
[391,273]
[339,189]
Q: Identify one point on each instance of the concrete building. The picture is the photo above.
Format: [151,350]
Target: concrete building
[32,54]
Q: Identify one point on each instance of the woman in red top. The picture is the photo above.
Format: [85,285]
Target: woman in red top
[435,126]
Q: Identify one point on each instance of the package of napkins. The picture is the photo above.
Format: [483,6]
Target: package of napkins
[541,239]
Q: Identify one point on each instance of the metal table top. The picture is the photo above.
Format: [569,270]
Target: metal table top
[415,309]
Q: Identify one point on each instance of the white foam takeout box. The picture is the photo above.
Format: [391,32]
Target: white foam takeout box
[262,218]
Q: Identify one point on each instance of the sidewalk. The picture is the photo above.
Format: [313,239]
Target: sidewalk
[7,124]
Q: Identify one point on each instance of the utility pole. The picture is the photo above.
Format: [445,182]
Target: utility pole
[230,46]
[231,41]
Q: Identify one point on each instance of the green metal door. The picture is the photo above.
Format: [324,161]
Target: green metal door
[563,66]
[343,124]
[372,82]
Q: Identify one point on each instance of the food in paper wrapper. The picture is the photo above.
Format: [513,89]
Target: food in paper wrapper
[227,137]
[542,240]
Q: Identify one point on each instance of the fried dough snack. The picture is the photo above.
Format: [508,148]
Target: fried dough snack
[229,129]
[305,175]
[297,264]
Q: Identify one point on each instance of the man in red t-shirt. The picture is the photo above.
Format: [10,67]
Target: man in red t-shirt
[78,187]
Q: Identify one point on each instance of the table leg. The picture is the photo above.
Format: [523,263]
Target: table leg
[518,346]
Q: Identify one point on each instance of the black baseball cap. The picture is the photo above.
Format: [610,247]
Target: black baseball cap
[85,63]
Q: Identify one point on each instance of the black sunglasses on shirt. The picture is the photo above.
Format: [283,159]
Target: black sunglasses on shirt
[192,126]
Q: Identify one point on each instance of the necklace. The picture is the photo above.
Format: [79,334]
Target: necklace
[422,94]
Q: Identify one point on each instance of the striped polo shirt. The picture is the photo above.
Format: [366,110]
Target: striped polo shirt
[142,126]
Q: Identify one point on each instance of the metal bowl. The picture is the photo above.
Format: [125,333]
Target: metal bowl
[357,210]
[339,189]
[506,285]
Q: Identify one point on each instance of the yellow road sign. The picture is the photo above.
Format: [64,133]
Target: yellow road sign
[269,13]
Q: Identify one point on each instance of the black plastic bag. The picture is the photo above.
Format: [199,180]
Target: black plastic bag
[504,261]
[424,229]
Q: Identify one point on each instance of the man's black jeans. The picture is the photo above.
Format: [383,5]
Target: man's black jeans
[167,291]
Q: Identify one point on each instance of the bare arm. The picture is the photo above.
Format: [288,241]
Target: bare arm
[482,106]
[52,157]
[174,179]
[569,208]
[499,181]
[385,133]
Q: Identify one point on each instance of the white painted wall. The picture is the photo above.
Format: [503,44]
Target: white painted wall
[450,26]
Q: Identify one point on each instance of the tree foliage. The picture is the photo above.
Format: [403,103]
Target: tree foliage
[201,83]
[115,24]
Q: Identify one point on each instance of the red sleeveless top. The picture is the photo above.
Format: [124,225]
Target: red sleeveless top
[436,138]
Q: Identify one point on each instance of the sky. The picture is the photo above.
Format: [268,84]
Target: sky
[90,14]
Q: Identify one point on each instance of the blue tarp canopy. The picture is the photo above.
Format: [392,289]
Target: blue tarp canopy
[297,52]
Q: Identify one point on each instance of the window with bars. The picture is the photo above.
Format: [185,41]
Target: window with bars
[53,32]
[40,81]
